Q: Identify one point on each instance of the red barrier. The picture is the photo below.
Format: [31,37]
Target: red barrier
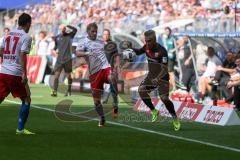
[35,68]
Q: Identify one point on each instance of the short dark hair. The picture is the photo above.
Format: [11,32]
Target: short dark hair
[108,30]
[169,29]
[43,32]
[230,51]
[212,50]
[149,33]
[237,56]
[24,19]
[6,28]
[92,25]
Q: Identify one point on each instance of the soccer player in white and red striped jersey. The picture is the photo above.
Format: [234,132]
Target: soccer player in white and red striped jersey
[99,68]
[13,75]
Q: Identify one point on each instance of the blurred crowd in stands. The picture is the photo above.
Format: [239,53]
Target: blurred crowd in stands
[130,14]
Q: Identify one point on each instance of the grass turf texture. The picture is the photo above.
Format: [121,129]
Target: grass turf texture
[60,140]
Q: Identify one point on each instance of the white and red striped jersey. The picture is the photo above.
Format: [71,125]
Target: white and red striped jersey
[15,43]
[97,59]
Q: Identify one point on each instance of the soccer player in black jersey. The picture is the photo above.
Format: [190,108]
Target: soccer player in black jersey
[157,77]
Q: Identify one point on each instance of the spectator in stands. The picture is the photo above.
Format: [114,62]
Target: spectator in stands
[169,44]
[4,33]
[185,56]
[235,82]
[51,55]
[210,71]
[223,75]
[42,44]
[201,57]
[41,49]
[116,13]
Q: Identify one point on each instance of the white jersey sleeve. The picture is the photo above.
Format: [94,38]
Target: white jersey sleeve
[81,46]
[26,45]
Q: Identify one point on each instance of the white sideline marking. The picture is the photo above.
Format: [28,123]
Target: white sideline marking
[37,96]
[142,129]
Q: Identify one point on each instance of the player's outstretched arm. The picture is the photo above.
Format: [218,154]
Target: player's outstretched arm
[138,51]
[81,50]
[227,70]
[128,45]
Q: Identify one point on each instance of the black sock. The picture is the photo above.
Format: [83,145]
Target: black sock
[55,84]
[170,107]
[115,109]
[143,93]
[99,109]
[69,85]
[148,102]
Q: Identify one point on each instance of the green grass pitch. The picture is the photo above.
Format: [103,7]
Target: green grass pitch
[70,138]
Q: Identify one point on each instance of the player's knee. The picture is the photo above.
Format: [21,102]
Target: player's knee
[57,75]
[97,103]
[27,99]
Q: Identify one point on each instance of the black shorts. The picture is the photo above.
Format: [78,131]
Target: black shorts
[67,66]
[171,63]
[163,86]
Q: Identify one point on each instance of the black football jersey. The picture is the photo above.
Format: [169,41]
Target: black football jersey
[157,60]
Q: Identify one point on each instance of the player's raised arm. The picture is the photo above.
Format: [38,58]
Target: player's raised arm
[71,30]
